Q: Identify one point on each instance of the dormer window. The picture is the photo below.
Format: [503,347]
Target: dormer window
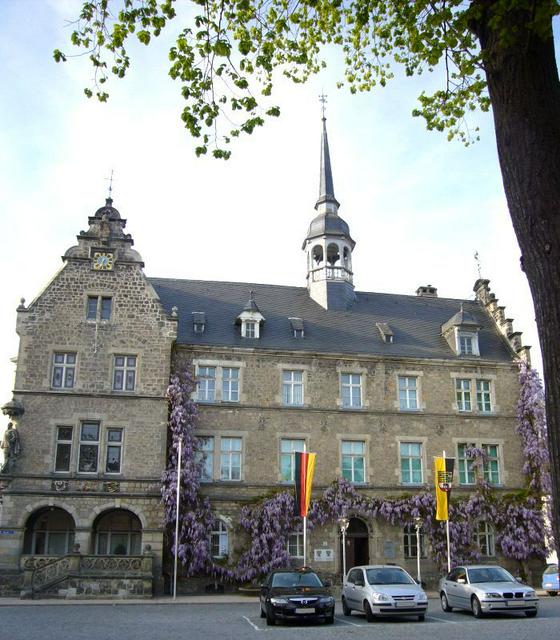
[199,321]
[387,334]
[467,343]
[250,319]
[296,324]
[461,333]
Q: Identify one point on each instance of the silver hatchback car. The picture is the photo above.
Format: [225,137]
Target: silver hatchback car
[483,588]
[383,590]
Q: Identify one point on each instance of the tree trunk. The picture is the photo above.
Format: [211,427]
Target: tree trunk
[525,93]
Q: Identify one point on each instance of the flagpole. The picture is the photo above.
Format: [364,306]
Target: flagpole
[179,455]
[304,523]
[447,529]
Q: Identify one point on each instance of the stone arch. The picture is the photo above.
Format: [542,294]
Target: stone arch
[46,504]
[117,531]
[333,254]
[49,531]
[117,504]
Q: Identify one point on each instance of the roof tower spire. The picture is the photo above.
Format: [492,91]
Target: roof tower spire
[326,187]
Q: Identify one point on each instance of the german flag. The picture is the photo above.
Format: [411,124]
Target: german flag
[303,477]
[443,479]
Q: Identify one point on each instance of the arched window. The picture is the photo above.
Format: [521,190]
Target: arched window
[346,256]
[333,254]
[317,254]
[49,532]
[118,533]
[219,543]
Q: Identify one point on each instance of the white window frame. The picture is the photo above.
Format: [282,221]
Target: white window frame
[114,444]
[352,456]
[63,442]
[219,540]
[292,386]
[410,550]
[64,364]
[230,384]
[470,335]
[205,455]
[407,392]
[129,367]
[409,458]
[485,539]
[89,443]
[484,395]
[231,459]
[206,383]
[250,329]
[489,473]
[288,447]
[295,543]
[463,465]
[463,394]
[351,381]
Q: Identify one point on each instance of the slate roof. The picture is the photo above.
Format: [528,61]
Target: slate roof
[415,320]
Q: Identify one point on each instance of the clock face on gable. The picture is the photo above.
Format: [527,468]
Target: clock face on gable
[103,260]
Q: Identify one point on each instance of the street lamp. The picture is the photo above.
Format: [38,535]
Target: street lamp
[418,524]
[343,524]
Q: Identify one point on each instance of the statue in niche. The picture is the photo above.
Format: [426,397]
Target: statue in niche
[11,446]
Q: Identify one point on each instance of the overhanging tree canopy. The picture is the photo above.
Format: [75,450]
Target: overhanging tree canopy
[493,52]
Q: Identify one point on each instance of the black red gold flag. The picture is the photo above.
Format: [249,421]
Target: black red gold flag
[303,478]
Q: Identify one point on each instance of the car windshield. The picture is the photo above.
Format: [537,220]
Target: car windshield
[489,574]
[295,579]
[552,568]
[388,575]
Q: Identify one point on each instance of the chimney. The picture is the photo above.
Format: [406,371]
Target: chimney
[427,291]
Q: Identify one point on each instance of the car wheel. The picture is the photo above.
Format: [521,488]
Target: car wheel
[552,593]
[445,603]
[476,608]
[531,614]
[421,617]
[270,619]
[329,619]
[345,608]
[369,613]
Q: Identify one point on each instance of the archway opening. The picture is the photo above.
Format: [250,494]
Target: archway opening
[117,532]
[357,544]
[50,532]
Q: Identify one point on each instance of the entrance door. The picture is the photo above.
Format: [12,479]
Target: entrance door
[357,544]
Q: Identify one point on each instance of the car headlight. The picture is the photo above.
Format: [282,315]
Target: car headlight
[380,597]
[530,594]
[327,600]
[278,601]
[492,594]
[421,597]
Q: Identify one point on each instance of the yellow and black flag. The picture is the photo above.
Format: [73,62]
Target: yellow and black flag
[444,478]
[303,476]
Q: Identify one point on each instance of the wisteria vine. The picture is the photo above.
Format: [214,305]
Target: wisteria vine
[518,520]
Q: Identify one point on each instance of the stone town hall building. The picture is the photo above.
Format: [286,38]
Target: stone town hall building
[375,383]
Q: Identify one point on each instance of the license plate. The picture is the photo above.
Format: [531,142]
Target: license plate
[515,603]
[305,610]
[404,604]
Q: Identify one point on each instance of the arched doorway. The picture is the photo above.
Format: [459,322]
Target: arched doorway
[49,532]
[117,532]
[357,544]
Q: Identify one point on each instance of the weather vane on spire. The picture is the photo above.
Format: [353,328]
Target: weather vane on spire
[110,184]
[478,265]
[323,101]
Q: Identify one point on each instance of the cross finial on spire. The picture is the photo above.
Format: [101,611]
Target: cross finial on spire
[323,101]
[478,265]
[110,197]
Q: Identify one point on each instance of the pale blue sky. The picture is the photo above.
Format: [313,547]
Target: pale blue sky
[418,206]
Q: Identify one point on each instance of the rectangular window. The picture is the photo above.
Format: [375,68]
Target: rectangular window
[205,456]
[295,544]
[230,384]
[408,393]
[230,459]
[485,539]
[64,370]
[463,394]
[466,470]
[124,373]
[483,397]
[287,458]
[410,542]
[99,308]
[411,462]
[206,384]
[89,447]
[492,463]
[353,461]
[250,329]
[63,448]
[114,450]
[351,387]
[465,345]
[292,387]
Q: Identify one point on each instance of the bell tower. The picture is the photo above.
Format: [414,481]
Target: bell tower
[328,244]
